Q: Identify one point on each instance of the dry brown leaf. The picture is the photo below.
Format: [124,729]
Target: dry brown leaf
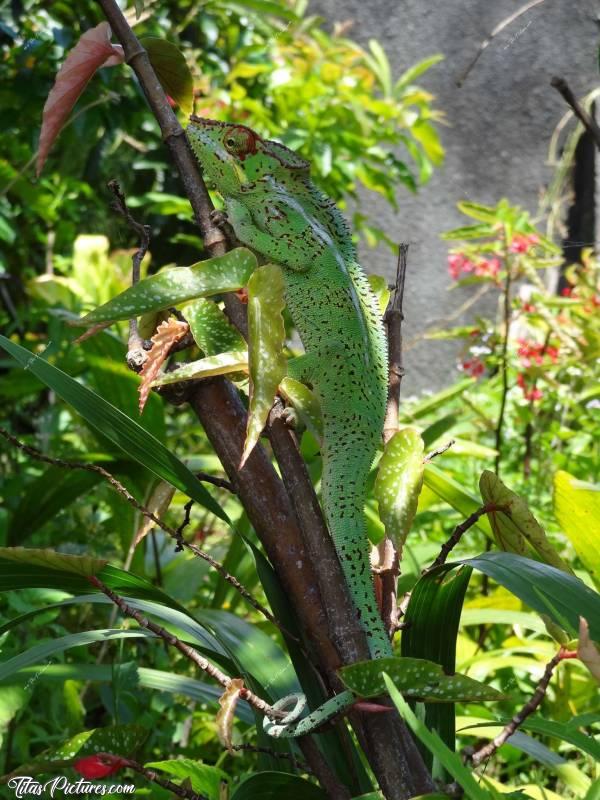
[587,649]
[159,502]
[92,51]
[224,719]
[167,334]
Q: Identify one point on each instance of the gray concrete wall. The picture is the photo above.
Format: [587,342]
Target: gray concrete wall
[498,130]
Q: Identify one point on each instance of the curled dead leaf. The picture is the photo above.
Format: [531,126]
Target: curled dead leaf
[228,702]
[167,334]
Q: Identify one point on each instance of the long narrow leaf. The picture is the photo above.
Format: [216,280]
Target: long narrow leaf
[127,434]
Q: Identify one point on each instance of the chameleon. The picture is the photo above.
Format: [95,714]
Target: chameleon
[277,211]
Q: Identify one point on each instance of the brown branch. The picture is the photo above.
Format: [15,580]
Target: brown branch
[174,534]
[192,655]
[393,318]
[498,29]
[488,750]
[385,555]
[136,352]
[457,533]
[587,120]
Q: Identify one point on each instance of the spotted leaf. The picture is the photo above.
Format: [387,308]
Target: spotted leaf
[170,287]
[399,483]
[513,524]
[417,678]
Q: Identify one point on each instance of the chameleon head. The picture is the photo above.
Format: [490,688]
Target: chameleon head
[237,160]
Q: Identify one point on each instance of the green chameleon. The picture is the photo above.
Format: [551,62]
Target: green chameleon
[277,211]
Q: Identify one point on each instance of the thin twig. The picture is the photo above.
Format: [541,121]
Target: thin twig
[192,655]
[252,748]
[172,532]
[394,317]
[439,451]
[587,120]
[530,706]
[457,533]
[136,353]
[221,483]
[504,356]
[498,29]
[387,566]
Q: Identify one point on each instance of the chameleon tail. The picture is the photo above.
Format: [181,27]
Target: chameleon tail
[343,501]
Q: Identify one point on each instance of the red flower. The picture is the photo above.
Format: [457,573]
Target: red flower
[522,242]
[99,766]
[567,291]
[474,367]
[528,308]
[458,263]
[532,394]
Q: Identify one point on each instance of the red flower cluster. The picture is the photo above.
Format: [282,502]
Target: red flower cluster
[484,267]
[529,393]
[473,367]
[533,353]
[523,241]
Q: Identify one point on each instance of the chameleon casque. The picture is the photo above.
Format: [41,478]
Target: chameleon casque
[276,210]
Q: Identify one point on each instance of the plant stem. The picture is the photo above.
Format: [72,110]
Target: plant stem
[504,356]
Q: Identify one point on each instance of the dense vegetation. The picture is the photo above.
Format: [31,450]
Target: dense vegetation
[517,436]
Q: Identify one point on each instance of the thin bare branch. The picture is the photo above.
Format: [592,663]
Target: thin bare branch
[587,120]
[439,451]
[394,317]
[192,655]
[172,532]
[457,534]
[488,750]
[498,29]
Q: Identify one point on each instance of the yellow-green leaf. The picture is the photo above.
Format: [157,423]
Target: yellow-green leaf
[78,565]
[267,362]
[219,364]
[577,509]
[399,483]
[171,70]
[513,524]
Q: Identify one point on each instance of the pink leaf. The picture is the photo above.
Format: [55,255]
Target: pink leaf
[92,51]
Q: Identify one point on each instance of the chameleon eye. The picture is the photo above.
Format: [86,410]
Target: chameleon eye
[230,142]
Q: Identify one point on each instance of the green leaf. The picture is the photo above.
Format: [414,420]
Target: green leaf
[219,364]
[170,287]
[266,7]
[513,524]
[267,362]
[433,617]
[127,434]
[399,483]
[577,509]
[211,329]
[430,404]
[469,232]
[450,761]
[276,785]
[54,490]
[449,490]
[381,66]
[564,598]
[85,566]
[171,70]
[43,651]
[204,778]
[415,677]
[418,69]
[478,211]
